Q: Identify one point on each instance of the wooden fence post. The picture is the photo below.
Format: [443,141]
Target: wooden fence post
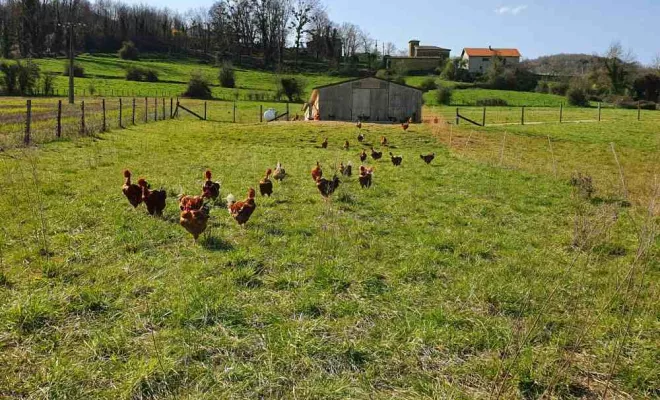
[599,110]
[82,117]
[133,116]
[163,98]
[457,119]
[639,111]
[204,111]
[483,118]
[146,110]
[261,113]
[522,116]
[121,112]
[155,109]
[28,123]
[287,111]
[171,107]
[234,111]
[103,126]
[59,119]
[561,112]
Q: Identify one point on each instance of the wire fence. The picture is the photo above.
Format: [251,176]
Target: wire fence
[25,121]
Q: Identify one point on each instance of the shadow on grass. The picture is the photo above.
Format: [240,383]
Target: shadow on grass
[214,243]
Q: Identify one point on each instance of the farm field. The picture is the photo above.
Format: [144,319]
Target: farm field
[481,275]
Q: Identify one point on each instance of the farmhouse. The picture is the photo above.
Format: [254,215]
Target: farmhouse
[419,59]
[368,99]
[478,60]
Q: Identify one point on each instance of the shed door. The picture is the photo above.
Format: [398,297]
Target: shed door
[361,103]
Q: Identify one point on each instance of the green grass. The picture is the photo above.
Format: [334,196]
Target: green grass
[423,286]
[469,97]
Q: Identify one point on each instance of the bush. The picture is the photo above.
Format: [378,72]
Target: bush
[47,84]
[399,79]
[290,87]
[198,87]
[542,87]
[140,74]
[128,51]
[492,102]
[443,95]
[226,76]
[559,88]
[9,77]
[78,70]
[577,96]
[28,77]
[428,84]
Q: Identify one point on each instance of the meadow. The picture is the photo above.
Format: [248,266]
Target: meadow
[482,275]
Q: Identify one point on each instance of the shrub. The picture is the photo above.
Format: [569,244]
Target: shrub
[47,84]
[542,87]
[492,102]
[443,95]
[399,79]
[577,96]
[128,51]
[428,84]
[559,88]
[226,76]
[28,76]
[78,70]
[290,87]
[9,77]
[140,74]
[198,87]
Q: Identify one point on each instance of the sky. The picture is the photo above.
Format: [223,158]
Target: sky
[535,27]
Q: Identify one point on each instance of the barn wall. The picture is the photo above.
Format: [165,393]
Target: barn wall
[405,103]
[335,102]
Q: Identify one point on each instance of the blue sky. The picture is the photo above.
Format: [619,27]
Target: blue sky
[535,27]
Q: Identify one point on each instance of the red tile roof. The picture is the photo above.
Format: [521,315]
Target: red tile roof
[477,52]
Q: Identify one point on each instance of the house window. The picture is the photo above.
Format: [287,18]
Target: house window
[485,59]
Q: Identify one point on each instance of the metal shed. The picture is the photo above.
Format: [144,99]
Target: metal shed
[367,99]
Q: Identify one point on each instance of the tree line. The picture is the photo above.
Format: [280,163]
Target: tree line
[264,29]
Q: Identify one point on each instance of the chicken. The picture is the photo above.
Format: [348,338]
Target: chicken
[427,158]
[242,210]
[325,143]
[194,215]
[376,155]
[396,160]
[279,173]
[405,125]
[365,176]
[132,191]
[359,124]
[360,137]
[153,199]
[383,141]
[326,186]
[346,170]
[317,172]
[347,145]
[435,120]
[266,185]
[363,155]
[210,190]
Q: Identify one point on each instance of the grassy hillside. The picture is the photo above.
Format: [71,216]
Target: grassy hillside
[107,73]
[469,97]
[459,279]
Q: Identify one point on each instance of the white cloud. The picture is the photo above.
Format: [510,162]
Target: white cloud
[512,10]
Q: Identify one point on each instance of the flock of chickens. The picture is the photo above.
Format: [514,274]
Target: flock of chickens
[195,210]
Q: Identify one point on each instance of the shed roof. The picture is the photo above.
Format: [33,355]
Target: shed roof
[486,52]
[368,77]
[432,48]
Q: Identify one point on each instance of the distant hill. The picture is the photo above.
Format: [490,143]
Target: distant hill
[563,64]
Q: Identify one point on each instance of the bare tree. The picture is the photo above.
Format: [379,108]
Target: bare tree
[619,64]
[349,37]
[656,62]
[301,16]
[390,49]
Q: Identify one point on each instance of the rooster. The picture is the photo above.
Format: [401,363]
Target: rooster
[210,190]
[132,191]
[346,145]
[325,143]
[346,170]
[359,124]
[376,155]
[427,158]
[317,172]
[153,199]
[383,141]
[327,187]
[265,185]
[405,126]
[360,137]
[363,155]
[396,160]
[194,215]
[242,210]
[280,173]
[365,176]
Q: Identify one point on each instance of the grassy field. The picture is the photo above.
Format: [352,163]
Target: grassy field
[480,275]
[469,97]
